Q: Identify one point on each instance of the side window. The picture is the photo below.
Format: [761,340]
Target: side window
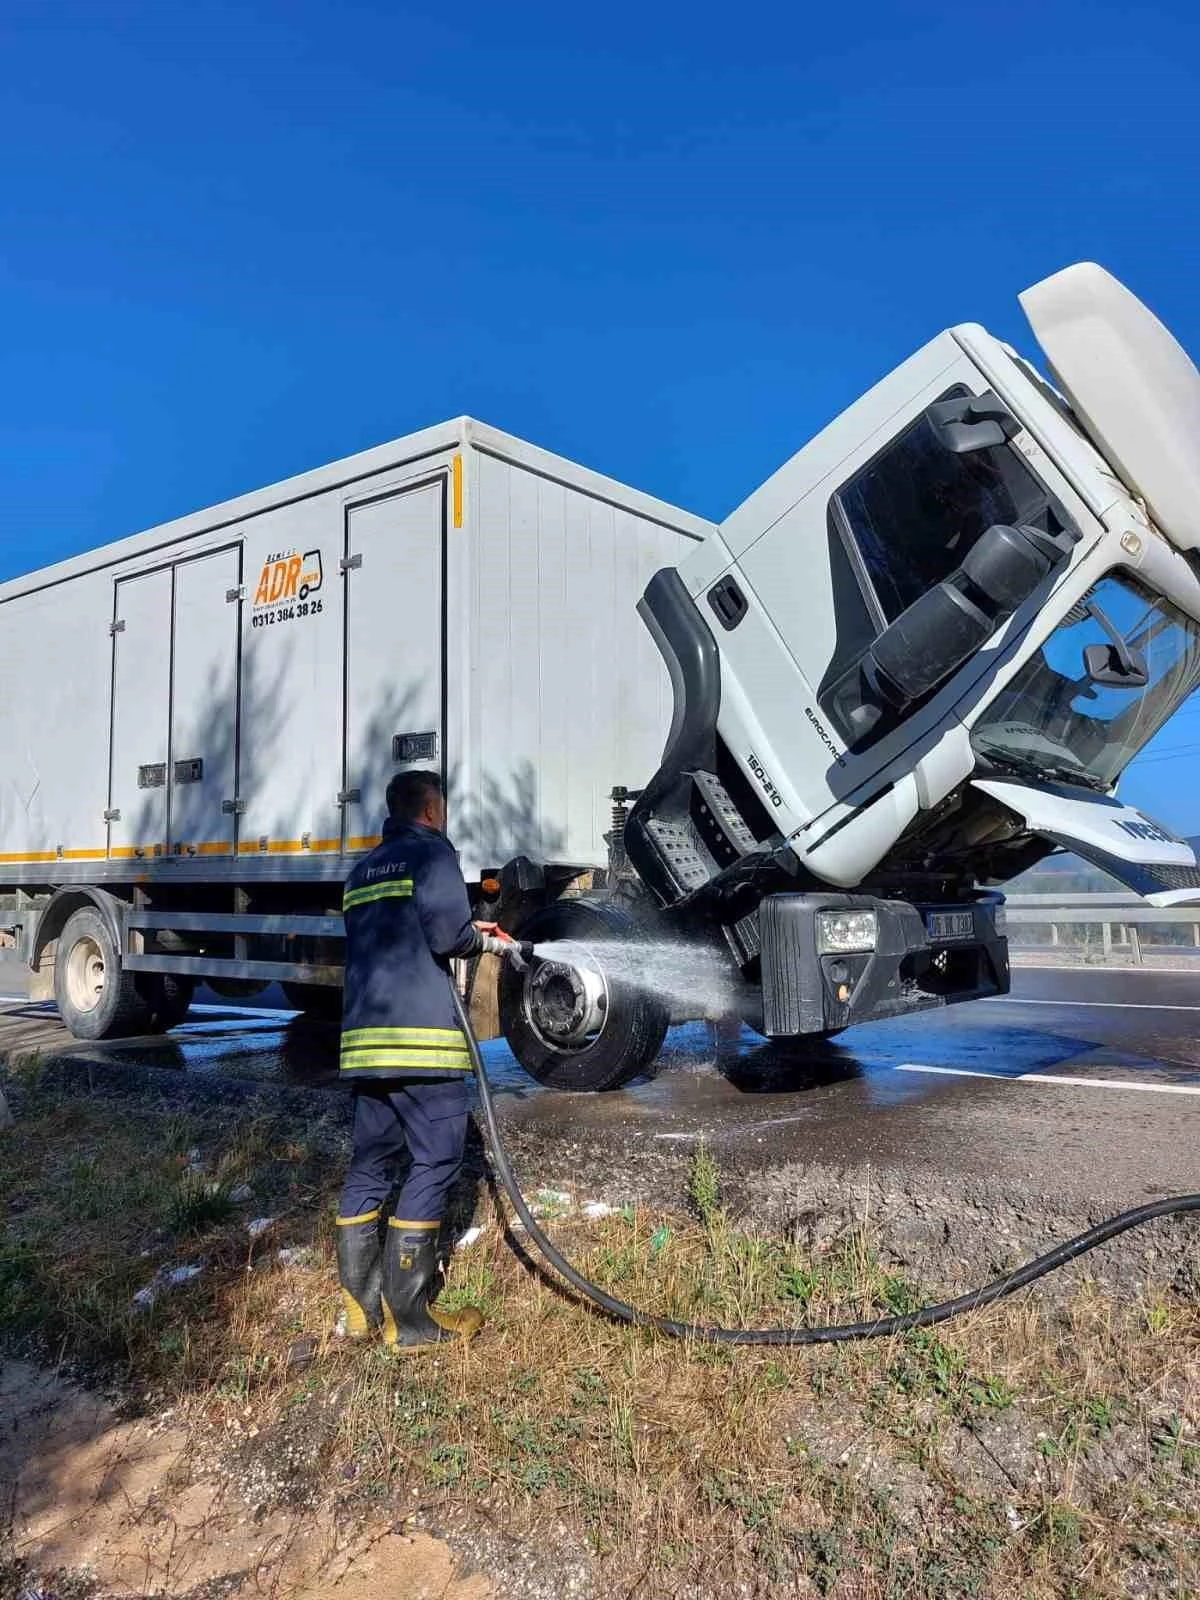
[915,510]
[905,522]
[857,623]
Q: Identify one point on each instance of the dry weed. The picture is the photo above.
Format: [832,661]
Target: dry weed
[1037,1448]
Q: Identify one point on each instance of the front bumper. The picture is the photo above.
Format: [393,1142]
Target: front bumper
[910,969]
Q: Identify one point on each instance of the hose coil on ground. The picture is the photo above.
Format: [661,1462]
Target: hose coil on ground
[879,1328]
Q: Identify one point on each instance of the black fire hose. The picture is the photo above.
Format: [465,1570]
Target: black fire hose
[879,1328]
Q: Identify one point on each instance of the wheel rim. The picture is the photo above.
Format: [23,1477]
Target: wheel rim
[566,1002]
[85,974]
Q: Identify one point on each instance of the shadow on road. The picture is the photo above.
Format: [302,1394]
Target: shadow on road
[777,1066]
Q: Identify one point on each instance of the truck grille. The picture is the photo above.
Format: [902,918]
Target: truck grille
[1143,877]
[1168,877]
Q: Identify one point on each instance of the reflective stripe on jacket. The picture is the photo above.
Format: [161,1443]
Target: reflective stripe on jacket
[407,914]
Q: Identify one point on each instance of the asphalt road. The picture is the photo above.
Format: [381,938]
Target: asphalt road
[1084,1083]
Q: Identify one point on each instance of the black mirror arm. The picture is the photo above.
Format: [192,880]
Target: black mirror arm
[1130,665]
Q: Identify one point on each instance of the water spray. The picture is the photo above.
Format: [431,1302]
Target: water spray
[691,979]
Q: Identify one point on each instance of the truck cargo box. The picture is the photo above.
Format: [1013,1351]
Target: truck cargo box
[226,696]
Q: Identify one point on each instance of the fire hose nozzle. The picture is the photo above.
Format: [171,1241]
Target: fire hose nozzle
[520,954]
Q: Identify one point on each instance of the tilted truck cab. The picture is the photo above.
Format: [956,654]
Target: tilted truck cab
[920,656]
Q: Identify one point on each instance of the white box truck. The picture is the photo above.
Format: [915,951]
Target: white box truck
[916,660]
[198,723]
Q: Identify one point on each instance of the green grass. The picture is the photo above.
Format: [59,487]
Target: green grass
[198,1203]
[704,1186]
[686,1468]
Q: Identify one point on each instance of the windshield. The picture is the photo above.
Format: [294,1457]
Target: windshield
[1056,720]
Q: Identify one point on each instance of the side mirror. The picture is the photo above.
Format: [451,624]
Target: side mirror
[937,633]
[971,422]
[924,645]
[1104,665]
[1005,565]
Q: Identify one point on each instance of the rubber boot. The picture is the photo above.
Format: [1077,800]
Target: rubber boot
[410,1280]
[360,1271]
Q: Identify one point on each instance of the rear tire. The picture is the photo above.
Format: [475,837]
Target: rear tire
[319,1001]
[96,997]
[236,989]
[635,1022]
[169,996]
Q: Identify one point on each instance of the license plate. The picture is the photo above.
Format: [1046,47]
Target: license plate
[950,924]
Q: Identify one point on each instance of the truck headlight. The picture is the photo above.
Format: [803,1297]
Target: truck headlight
[843,932]
[1000,921]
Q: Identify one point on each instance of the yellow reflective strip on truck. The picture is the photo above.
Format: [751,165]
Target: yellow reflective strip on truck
[20,858]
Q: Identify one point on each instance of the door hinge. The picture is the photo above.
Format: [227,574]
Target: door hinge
[349,797]
[113,815]
[350,563]
[232,596]
[117,627]
[233,808]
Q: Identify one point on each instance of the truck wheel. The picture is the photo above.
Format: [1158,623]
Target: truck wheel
[570,1024]
[169,997]
[96,998]
[320,1001]
[798,1045]
[236,989]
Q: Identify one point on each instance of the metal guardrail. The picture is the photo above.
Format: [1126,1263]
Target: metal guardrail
[1123,912]
[1118,907]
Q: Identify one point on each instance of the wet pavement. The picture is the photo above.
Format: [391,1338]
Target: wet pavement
[1084,1082]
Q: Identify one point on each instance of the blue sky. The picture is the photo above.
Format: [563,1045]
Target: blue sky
[669,241]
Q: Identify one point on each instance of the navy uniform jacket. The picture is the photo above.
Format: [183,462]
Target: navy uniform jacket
[407,914]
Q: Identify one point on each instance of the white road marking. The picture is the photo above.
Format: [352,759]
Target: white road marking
[1051,1077]
[1103,1005]
[16,1000]
[749,1127]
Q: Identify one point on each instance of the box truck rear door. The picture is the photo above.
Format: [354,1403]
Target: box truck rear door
[395,666]
[204,710]
[140,714]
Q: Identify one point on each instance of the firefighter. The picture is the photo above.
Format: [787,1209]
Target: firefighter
[405,1057]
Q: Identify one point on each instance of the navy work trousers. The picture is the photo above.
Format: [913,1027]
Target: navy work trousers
[430,1119]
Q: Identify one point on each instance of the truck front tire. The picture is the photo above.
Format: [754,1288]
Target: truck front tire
[630,1023]
[96,997]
